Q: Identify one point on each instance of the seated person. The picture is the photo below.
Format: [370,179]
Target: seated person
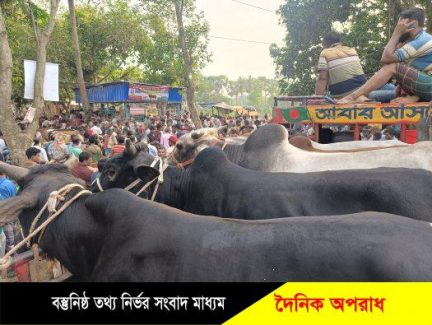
[388,134]
[410,65]
[83,170]
[390,92]
[339,68]
[366,133]
[119,147]
[75,146]
[377,135]
[58,150]
[33,157]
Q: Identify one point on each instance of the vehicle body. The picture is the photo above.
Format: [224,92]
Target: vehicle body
[320,110]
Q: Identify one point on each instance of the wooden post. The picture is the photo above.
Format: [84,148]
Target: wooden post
[402,132]
[36,276]
[357,132]
[317,132]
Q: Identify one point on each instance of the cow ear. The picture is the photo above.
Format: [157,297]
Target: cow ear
[146,173]
[11,208]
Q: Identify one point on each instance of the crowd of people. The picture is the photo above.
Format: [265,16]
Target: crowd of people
[92,138]
[95,137]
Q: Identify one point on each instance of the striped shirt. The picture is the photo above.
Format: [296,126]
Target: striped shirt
[345,71]
[417,53]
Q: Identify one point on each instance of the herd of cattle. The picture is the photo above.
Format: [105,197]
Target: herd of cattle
[256,209]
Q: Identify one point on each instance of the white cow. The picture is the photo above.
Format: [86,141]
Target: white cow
[268,149]
[280,156]
[353,145]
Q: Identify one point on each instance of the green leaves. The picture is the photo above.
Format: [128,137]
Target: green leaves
[245,91]
[119,39]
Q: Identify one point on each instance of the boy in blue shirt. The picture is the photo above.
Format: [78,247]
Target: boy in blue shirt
[7,190]
[410,65]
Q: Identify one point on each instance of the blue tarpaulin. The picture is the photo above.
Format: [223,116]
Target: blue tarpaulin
[118,92]
[175,96]
[105,93]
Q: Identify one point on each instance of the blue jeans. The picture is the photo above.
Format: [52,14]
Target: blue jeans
[383,95]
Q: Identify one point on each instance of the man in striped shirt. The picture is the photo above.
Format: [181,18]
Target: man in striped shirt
[339,68]
[411,65]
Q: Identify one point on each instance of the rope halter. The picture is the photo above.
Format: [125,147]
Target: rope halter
[51,205]
[162,167]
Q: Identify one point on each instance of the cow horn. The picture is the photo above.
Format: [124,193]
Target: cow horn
[222,128]
[13,172]
[197,134]
[130,149]
[71,162]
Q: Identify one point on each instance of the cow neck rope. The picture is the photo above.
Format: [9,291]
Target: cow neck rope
[162,168]
[179,164]
[51,204]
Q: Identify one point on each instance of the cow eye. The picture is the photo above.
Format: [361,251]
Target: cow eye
[196,135]
[179,146]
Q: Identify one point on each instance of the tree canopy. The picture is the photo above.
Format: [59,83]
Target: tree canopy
[119,40]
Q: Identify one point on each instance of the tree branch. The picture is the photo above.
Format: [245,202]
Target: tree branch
[53,14]
[33,20]
[109,73]
[126,73]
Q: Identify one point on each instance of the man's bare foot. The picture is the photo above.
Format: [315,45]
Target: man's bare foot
[406,100]
[350,100]
[363,99]
[346,100]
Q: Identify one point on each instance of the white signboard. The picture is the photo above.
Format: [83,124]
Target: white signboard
[51,81]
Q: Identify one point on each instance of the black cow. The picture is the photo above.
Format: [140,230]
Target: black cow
[215,186]
[115,236]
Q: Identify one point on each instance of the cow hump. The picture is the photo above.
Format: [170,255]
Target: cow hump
[210,158]
[266,136]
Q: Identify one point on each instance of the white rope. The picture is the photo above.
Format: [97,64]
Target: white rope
[133,184]
[160,178]
[5,261]
[162,167]
[52,202]
[99,184]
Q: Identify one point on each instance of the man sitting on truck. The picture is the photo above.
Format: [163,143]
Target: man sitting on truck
[339,68]
[410,65]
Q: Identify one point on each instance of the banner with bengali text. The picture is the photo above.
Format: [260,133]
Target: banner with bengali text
[342,303]
[360,114]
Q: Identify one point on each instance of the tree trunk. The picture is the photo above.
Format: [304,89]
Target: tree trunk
[190,91]
[42,39]
[75,39]
[7,119]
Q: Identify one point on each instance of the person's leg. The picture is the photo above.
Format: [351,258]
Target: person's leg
[2,244]
[10,237]
[414,82]
[376,82]
[383,96]
[406,99]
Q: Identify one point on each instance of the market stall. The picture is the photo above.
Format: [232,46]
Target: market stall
[132,98]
